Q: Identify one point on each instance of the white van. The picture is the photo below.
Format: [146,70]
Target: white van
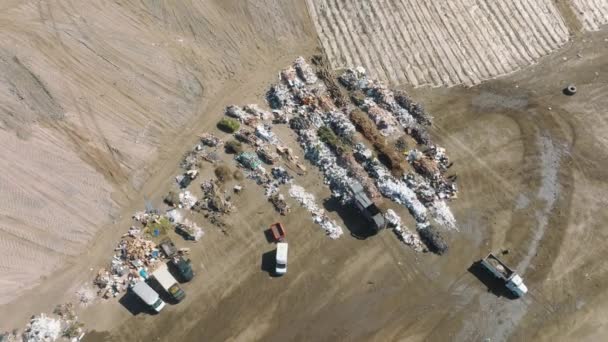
[281,267]
[148,295]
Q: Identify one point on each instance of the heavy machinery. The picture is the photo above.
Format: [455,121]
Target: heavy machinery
[513,282]
[368,208]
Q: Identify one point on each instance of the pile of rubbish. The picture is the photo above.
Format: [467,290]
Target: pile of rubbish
[62,326]
[321,156]
[267,155]
[210,140]
[384,120]
[263,132]
[213,199]
[307,200]
[42,328]
[249,160]
[186,200]
[305,71]
[189,230]
[258,113]
[132,259]
[404,234]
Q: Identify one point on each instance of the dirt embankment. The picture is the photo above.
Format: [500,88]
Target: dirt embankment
[95,97]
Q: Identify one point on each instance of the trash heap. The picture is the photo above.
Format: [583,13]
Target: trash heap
[205,150]
[249,160]
[42,328]
[305,71]
[186,199]
[307,200]
[390,187]
[213,199]
[257,112]
[267,155]
[240,114]
[210,140]
[248,137]
[404,234]
[384,120]
[264,132]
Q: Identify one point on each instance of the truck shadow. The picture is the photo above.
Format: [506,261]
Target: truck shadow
[354,221]
[494,285]
[134,305]
[268,235]
[268,263]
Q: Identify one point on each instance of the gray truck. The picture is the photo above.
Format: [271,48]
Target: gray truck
[368,208]
[513,282]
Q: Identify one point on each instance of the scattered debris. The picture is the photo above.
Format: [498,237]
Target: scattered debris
[404,234]
[307,200]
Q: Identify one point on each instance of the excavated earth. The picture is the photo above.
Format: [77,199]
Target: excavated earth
[101,100]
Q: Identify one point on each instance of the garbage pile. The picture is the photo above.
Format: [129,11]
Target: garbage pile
[320,155]
[260,114]
[402,232]
[210,140]
[432,165]
[307,200]
[390,187]
[42,328]
[240,114]
[213,199]
[249,160]
[305,71]
[248,137]
[267,155]
[384,120]
[265,133]
[186,200]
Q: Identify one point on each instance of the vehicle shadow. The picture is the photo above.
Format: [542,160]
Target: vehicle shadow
[268,235]
[354,221]
[268,263]
[134,305]
[494,285]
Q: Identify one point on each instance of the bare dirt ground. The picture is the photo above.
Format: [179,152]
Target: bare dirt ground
[92,92]
[531,164]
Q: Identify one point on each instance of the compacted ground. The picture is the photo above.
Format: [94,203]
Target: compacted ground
[531,164]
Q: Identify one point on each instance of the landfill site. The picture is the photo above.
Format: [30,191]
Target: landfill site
[304,170]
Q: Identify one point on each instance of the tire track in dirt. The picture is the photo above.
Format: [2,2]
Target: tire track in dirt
[442,43]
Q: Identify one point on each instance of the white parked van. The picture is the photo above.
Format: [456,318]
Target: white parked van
[281,267]
[148,295]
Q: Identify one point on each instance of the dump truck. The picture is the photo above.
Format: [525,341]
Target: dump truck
[166,280]
[148,296]
[281,258]
[512,280]
[368,208]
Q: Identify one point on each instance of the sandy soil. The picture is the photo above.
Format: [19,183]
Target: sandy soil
[531,175]
[91,95]
[438,43]
[531,164]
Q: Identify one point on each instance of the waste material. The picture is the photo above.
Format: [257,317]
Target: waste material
[249,160]
[239,114]
[186,199]
[263,131]
[404,234]
[307,200]
[305,71]
[433,239]
[211,140]
[42,328]
[281,175]
[278,201]
[254,110]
